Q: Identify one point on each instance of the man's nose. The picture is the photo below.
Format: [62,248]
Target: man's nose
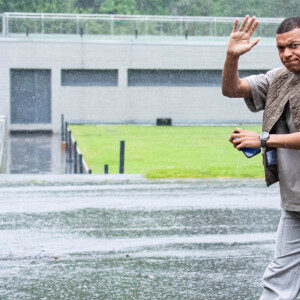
[287,52]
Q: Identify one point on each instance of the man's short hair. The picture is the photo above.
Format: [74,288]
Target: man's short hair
[288,24]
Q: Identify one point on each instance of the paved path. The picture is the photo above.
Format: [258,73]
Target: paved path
[96,237]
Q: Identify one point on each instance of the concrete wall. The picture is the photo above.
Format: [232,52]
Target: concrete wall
[192,105]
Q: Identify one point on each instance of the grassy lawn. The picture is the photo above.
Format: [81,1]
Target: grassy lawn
[166,152]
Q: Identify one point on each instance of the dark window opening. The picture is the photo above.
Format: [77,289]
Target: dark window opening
[89,77]
[180,77]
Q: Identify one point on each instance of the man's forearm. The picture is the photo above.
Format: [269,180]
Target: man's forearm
[230,76]
[238,44]
[288,141]
[250,139]
[232,85]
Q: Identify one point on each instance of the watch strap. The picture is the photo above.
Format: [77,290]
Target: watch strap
[263,143]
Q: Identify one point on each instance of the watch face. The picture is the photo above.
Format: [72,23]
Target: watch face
[264,135]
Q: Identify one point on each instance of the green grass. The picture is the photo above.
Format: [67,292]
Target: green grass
[167,152]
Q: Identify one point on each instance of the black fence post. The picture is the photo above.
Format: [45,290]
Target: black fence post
[90,171]
[136,33]
[80,164]
[186,34]
[122,157]
[105,169]
[70,146]
[66,135]
[67,145]
[62,128]
[75,157]
[81,31]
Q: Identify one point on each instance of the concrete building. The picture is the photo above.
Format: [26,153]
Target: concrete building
[121,81]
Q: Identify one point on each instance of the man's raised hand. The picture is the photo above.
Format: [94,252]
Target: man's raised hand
[239,40]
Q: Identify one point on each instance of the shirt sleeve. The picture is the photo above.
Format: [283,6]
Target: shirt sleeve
[259,85]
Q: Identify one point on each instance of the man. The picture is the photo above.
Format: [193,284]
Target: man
[277,93]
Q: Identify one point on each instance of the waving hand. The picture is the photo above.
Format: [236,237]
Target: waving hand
[239,40]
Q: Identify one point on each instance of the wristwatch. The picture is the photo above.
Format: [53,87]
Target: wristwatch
[263,138]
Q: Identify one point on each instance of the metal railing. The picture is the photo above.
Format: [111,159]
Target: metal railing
[122,26]
[74,158]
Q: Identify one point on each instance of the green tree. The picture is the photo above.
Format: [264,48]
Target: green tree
[49,6]
[88,5]
[277,8]
[232,8]
[193,8]
[126,7]
[157,7]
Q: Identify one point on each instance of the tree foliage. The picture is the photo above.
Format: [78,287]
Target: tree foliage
[233,8]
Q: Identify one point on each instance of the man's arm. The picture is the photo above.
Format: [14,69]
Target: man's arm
[232,85]
[250,139]
[288,141]
[239,43]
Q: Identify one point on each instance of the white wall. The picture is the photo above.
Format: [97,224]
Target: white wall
[137,104]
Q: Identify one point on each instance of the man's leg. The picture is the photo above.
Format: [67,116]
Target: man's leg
[282,277]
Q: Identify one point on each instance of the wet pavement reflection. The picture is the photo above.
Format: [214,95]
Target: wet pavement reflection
[35,154]
[135,240]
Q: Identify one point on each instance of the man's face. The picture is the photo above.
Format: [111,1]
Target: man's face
[288,45]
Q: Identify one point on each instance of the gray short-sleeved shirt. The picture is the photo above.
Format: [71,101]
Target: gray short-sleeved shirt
[288,160]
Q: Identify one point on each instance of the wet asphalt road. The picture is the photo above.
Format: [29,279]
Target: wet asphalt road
[135,239]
